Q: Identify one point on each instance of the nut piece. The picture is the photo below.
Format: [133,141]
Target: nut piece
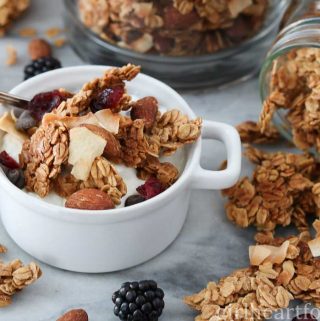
[75,315]
[90,199]
[146,109]
[39,48]
[113,148]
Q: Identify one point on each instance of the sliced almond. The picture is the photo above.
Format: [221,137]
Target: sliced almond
[84,147]
[314,246]
[70,122]
[8,125]
[108,120]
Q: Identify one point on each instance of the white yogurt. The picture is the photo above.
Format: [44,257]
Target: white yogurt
[13,147]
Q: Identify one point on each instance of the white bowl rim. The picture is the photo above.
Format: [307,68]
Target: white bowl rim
[117,214]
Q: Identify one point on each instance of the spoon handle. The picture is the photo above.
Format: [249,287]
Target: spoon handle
[12,100]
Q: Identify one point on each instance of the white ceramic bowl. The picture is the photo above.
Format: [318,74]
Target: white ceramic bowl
[104,241]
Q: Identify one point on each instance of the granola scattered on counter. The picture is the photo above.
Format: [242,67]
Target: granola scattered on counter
[295,88]
[280,270]
[175,27]
[284,189]
[10,10]
[14,277]
[73,142]
[250,133]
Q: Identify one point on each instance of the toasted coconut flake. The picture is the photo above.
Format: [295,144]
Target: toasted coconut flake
[84,147]
[268,254]
[8,125]
[314,246]
[70,121]
[316,226]
[108,120]
[258,253]
[236,6]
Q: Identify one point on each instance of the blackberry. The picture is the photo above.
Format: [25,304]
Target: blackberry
[138,301]
[40,66]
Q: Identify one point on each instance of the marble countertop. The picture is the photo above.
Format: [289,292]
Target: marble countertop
[208,247]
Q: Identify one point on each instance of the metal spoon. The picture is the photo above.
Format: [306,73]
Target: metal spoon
[13,100]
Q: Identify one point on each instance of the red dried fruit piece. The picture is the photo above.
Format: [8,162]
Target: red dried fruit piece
[8,161]
[109,98]
[45,102]
[151,188]
[173,19]
[305,317]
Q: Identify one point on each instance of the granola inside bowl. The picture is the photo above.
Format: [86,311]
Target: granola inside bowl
[100,147]
[84,236]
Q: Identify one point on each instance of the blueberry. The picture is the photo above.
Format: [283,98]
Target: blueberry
[116,310]
[134,199]
[134,285]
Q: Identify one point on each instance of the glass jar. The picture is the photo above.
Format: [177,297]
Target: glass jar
[184,54]
[290,76]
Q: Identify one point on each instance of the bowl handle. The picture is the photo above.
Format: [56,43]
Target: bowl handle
[207,179]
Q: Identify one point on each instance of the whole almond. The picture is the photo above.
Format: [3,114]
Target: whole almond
[75,315]
[39,48]
[146,109]
[113,148]
[89,199]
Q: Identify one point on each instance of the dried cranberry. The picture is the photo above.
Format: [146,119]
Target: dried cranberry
[8,161]
[305,317]
[109,98]
[151,188]
[45,103]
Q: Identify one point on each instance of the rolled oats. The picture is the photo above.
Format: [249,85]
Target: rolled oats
[280,192]
[14,277]
[256,292]
[10,10]
[174,27]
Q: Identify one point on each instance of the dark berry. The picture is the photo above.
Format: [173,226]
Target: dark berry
[8,161]
[26,121]
[146,308]
[45,102]
[116,310]
[40,66]
[138,301]
[118,301]
[150,295]
[134,285]
[151,188]
[131,296]
[134,199]
[16,177]
[305,317]
[159,293]
[109,98]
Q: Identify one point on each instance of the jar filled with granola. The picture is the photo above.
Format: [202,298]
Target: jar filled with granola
[290,78]
[187,43]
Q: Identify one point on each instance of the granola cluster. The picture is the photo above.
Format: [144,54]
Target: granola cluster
[9,11]
[14,277]
[174,27]
[284,189]
[78,145]
[280,270]
[294,91]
